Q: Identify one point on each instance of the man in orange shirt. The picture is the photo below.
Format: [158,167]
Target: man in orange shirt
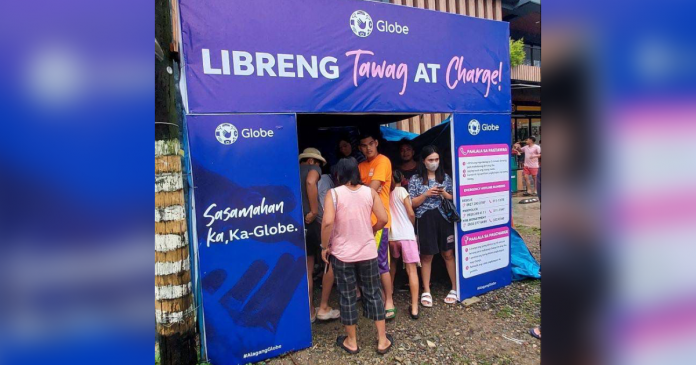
[376,172]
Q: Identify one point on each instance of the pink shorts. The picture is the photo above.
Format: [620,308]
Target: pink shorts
[530,171]
[408,248]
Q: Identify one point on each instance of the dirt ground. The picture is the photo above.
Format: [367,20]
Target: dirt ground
[525,214]
[481,334]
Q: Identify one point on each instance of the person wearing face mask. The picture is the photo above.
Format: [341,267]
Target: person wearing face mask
[435,233]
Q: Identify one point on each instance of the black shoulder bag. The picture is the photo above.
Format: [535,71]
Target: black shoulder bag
[450,211]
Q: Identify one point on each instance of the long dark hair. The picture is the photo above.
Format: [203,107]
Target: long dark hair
[423,172]
[347,171]
[397,177]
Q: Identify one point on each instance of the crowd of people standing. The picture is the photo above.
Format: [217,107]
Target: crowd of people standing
[365,215]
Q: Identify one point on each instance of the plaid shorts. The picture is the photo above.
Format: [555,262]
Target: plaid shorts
[347,274]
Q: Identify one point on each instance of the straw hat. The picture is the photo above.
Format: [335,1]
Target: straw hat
[312,153]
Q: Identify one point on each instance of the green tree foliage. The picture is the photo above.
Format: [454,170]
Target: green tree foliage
[516,52]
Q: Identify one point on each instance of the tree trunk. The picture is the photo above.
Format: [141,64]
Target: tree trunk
[175,310]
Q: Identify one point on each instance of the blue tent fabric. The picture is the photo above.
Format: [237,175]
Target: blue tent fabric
[395,135]
[524,266]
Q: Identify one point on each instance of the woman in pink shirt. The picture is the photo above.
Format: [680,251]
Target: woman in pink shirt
[353,252]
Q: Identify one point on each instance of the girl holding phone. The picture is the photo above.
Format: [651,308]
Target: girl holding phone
[435,233]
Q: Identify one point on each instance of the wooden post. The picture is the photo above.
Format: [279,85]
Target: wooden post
[452,6]
[498,9]
[471,7]
[415,124]
[426,122]
[437,119]
[175,310]
[489,9]
[480,9]
[403,125]
[461,7]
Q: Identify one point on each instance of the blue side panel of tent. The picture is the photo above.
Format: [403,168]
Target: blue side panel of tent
[524,266]
[394,135]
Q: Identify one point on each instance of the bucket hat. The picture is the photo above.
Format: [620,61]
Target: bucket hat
[312,153]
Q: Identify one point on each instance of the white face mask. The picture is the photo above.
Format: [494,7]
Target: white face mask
[432,166]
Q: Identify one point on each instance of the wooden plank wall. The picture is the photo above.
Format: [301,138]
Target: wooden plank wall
[489,9]
[526,73]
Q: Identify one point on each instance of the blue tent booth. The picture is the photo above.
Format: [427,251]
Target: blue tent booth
[251,70]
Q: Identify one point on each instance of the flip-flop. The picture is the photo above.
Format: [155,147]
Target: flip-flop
[313,318]
[339,343]
[531,332]
[386,315]
[410,311]
[427,300]
[391,343]
[452,294]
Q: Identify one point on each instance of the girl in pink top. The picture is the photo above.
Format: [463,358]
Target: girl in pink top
[353,252]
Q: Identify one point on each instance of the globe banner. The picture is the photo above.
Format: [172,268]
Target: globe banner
[341,56]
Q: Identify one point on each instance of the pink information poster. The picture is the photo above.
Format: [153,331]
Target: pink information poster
[484,186]
[485,251]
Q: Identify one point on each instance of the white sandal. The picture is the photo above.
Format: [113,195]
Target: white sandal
[333,314]
[452,295]
[427,300]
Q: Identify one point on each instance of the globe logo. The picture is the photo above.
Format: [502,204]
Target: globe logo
[226,133]
[474,127]
[361,23]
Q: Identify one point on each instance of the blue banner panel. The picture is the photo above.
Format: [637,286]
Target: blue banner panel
[250,236]
[482,163]
[341,56]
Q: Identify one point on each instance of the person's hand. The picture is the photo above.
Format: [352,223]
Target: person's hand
[310,217]
[434,191]
[325,255]
[440,190]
